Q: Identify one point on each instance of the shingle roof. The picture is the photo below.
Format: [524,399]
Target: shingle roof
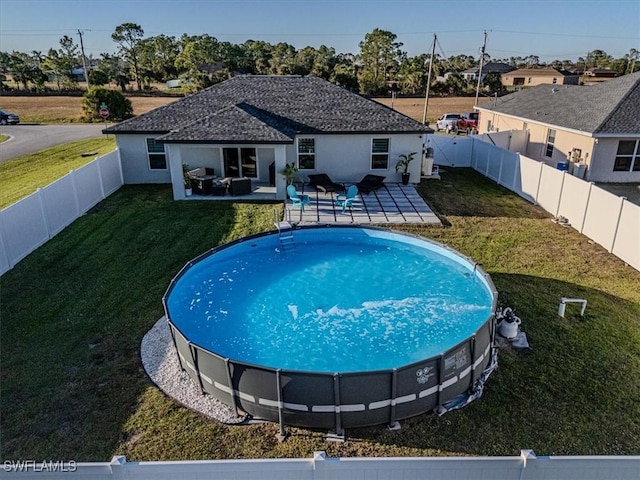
[540,72]
[491,67]
[612,107]
[268,109]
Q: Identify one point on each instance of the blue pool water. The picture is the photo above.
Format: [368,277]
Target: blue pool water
[342,300]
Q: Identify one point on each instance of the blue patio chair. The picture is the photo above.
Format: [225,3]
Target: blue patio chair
[346,200]
[296,199]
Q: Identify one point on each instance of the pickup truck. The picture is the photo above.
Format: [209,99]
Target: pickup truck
[467,123]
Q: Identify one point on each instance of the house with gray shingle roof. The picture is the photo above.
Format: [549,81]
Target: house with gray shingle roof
[471,74]
[249,126]
[596,128]
[530,77]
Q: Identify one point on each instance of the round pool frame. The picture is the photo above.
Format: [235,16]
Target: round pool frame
[339,400]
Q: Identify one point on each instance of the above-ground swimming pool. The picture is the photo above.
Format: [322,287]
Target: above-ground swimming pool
[332,327]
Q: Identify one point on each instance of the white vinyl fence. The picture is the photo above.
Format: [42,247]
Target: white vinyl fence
[609,220]
[32,221]
[524,467]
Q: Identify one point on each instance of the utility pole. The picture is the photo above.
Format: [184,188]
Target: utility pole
[426,98]
[484,45]
[84,59]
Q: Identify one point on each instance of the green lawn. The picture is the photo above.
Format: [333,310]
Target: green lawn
[22,176]
[74,312]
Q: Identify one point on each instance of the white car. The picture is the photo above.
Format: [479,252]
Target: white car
[448,122]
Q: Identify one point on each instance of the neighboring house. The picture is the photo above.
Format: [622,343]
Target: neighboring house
[596,128]
[592,76]
[242,126]
[471,74]
[530,77]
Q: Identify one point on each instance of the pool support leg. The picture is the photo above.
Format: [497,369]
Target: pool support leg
[282,434]
[338,435]
[234,403]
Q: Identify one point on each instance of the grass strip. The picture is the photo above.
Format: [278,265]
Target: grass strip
[22,176]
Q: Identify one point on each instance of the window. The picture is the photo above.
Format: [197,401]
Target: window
[306,153]
[555,80]
[551,138]
[240,162]
[157,157]
[627,156]
[380,154]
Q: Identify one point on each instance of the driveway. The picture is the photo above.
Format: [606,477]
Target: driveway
[27,139]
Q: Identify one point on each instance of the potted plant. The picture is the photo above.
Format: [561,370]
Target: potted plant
[403,164]
[288,172]
[186,178]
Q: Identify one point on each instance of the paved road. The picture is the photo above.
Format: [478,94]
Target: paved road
[32,138]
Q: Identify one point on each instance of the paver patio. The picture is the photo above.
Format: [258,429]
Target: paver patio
[392,203]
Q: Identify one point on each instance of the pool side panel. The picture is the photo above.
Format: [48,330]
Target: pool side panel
[212,370]
[417,388]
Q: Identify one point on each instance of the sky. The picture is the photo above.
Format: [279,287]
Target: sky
[550,29]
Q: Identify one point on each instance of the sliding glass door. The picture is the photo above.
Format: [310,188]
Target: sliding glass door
[240,162]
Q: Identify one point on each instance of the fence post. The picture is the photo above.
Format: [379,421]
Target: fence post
[486,173]
[117,151]
[500,170]
[564,175]
[99,165]
[526,456]
[75,192]
[586,207]
[539,181]
[516,171]
[474,155]
[3,250]
[43,212]
[118,465]
[615,232]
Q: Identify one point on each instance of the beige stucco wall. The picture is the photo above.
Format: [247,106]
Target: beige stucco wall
[508,80]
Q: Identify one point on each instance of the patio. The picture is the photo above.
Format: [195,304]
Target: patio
[392,203]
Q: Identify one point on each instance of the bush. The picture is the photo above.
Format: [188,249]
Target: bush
[119,106]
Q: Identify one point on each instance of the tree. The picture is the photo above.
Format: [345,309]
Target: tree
[345,72]
[157,56]
[283,60]
[324,62]
[413,74]
[119,106]
[380,56]
[199,58]
[492,82]
[60,63]
[261,53]
[98,77]
[23,70]
[128,37]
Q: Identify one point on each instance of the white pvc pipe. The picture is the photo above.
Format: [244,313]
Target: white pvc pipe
[565,300]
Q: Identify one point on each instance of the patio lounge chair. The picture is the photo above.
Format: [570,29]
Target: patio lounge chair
[323,183]
[345,201]
[297,200]
[370,183]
